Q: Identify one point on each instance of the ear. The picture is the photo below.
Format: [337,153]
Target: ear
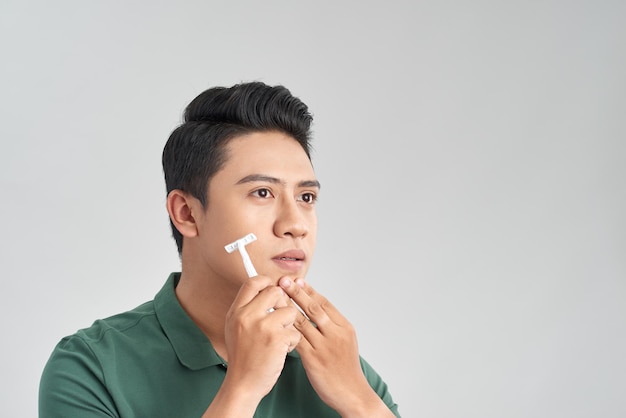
[181,207]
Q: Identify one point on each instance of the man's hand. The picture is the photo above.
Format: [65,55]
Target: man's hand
[259,333]
[330,354]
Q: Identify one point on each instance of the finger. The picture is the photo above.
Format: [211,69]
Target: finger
[283,301]
[294,340]
[312,304]
[310,332]
[285,316]
[267,300]
[250,289]
[330,309]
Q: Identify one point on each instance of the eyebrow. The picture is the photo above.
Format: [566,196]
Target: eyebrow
[269,179]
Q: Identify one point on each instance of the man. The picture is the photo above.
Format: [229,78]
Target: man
[214,342]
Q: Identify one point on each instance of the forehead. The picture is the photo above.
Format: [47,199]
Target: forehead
[271,153]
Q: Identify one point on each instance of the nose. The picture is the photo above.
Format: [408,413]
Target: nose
[290,220]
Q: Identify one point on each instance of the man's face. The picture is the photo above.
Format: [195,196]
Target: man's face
[268,187]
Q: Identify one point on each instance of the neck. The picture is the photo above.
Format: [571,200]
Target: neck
[206,298]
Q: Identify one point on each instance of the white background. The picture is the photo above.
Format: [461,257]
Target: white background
[471,154]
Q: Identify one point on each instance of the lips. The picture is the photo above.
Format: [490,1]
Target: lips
[293,255]
[291,261]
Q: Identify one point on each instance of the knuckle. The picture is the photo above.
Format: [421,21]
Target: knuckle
[300,322]
[295,290]
[281,303]
[293,312]
[315,308]
[324,303]
[275,291]
[319,306]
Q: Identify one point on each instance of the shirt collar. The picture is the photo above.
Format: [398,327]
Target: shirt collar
[192,347]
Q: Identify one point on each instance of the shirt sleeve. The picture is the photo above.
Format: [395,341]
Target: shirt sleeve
[379,386]
[72,383]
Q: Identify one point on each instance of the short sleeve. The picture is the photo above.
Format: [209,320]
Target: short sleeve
[379,386]
[72,383]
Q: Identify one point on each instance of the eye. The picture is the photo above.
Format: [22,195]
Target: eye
[310,198]
[262,193]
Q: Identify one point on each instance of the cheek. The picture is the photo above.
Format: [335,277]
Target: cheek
[226,226]
[312,235]
[218,230]
[226,265]
[313,224]
[223,218]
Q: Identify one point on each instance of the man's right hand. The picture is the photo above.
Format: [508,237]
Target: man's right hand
[259,333]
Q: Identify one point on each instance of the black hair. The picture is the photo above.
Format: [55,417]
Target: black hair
[196,149]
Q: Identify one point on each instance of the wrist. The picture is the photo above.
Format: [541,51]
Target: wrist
[233,399]
[366,404]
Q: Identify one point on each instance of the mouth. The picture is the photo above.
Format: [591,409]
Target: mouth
[290,261]
[293,255]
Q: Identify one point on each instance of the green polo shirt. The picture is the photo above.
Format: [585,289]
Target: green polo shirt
[154,362]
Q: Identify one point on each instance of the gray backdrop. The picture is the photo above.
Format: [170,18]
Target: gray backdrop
[472,161]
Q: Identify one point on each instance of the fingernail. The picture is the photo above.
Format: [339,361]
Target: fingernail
[285,282]
[300,282]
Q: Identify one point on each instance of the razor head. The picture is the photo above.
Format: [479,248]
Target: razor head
[241,241]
